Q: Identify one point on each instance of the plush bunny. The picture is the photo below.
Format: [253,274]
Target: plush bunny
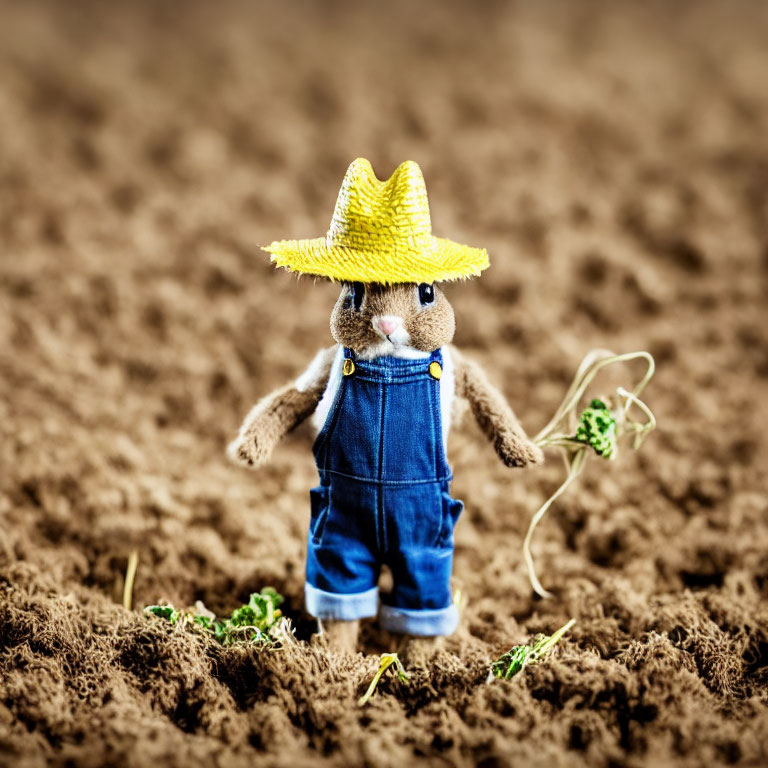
[381,401]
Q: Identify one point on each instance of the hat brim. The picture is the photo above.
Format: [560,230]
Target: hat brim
[442,260]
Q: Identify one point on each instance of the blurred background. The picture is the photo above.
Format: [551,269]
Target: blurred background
[610,156]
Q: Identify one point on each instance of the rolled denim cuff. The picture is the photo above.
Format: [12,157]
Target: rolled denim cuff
[332,605]
[423,623]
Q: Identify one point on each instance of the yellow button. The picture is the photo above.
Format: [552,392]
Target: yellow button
[435,371]
[349,367]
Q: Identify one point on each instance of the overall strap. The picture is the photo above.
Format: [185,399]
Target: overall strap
[391,368]
[435,355]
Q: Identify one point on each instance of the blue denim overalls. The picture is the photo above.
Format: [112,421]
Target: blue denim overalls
[384,498]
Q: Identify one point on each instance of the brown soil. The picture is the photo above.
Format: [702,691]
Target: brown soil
[613,159]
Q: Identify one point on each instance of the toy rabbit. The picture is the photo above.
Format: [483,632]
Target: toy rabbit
[381,402]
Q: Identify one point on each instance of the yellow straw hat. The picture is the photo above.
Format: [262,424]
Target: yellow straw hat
[380,232]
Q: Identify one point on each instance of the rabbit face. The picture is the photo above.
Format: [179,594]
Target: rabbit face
[405,320]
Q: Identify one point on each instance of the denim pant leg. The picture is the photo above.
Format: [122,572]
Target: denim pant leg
[420,520]
[342,563]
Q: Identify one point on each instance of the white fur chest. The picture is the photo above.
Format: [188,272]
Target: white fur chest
[447,389]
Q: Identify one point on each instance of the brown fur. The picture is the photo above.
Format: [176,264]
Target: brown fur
[429,327]
[340,635]
[493,414]
[278,413]
[420,651]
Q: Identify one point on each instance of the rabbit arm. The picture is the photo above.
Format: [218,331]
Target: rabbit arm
[279,412]
[493,414]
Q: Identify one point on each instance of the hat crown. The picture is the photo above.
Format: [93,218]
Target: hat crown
[380,232]
[391,215]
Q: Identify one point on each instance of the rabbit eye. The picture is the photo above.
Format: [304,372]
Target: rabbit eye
[356,294]
[426,294]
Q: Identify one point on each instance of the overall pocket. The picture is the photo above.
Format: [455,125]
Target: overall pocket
[319,499]
[451,510]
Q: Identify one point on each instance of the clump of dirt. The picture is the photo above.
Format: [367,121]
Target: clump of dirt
[611,158]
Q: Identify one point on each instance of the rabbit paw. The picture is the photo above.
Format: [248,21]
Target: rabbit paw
[249,450]
[515,451]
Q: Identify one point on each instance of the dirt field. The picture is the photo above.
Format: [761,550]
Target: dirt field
[612,159]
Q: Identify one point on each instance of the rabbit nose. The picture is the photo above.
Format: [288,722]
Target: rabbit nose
[388,325]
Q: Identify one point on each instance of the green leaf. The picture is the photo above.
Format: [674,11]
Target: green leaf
[204,621]
[258,621]
[167,612]
[597,428]
[518,658]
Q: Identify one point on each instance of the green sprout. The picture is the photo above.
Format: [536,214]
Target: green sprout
[597,428]
[385,662]
[167,612]
[258,622]
[518,658]
[600,427]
